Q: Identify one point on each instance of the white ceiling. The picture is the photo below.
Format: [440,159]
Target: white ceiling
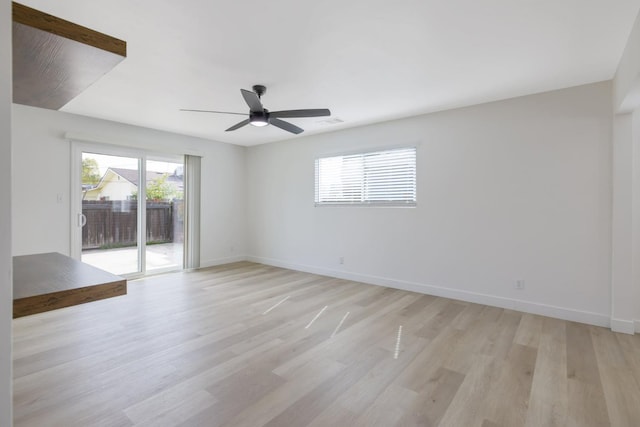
[366,60]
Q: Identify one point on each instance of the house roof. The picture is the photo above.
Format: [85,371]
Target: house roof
[366,61]
[132,176]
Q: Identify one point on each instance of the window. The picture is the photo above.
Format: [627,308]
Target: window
[380,178]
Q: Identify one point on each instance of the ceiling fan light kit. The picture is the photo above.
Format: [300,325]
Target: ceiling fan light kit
[260,116]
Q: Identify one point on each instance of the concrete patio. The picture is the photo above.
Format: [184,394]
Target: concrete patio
[125,260]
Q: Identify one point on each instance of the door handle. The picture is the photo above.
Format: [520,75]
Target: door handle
[82,220]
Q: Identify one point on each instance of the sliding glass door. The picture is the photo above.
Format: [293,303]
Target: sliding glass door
[164,215]
[121,193]
[109,218]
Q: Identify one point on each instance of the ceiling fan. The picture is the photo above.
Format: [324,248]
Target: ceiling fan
[260,116]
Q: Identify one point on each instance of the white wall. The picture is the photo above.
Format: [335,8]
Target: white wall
[517,189]
[41,161]
[635,294]
[623,224]
[6,288]
[626,83]
[625,280]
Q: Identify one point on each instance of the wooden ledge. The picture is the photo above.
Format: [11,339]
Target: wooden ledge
[49,281]
[51,24]
[55,60]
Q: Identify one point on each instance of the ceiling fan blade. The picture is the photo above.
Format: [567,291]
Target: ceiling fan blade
[252,100]
[289,127]
[217,112]
[319,112]
[238,125]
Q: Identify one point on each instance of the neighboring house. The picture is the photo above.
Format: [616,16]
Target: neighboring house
[122,184]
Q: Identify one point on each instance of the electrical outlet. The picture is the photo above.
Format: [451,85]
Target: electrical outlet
[520,284]
[59,198]
[341,260]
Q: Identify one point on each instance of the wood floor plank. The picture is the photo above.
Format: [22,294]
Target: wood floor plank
[308,377]
[104,397]
[501,338]
[203,379]
[355,336]
[468,317]
[630,347]
[233,394]
[507,401]
[548,398]
[473,340]
[581,357]
[334,415]
[417,306]
[364,392]
[586,401]
[529,330]
[586,407]
[467,406]
[430,405]
[173,413]
[621,390]
[443,319]
[305,409]
[429,360]
[388,408]
[194,349]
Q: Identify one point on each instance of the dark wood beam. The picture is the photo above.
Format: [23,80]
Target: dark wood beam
[54,60]
[60,27]
[45,282]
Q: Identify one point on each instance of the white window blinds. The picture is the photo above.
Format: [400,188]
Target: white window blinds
[385,178]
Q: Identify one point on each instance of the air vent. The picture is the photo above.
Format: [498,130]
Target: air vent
[331,121]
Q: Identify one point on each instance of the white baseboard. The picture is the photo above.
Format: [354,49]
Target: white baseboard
[221,261]
[563,313]
[623,326]
[637,329]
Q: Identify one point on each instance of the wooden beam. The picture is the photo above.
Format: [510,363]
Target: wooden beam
[60,27]
[55,60]
[49,281]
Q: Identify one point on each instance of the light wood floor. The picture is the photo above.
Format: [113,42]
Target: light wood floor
[238,345]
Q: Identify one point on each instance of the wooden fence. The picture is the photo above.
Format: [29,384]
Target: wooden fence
[114,223]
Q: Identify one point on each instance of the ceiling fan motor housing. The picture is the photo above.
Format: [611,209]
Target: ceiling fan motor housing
[259,118]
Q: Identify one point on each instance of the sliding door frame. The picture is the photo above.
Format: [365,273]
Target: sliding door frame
[77,148]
